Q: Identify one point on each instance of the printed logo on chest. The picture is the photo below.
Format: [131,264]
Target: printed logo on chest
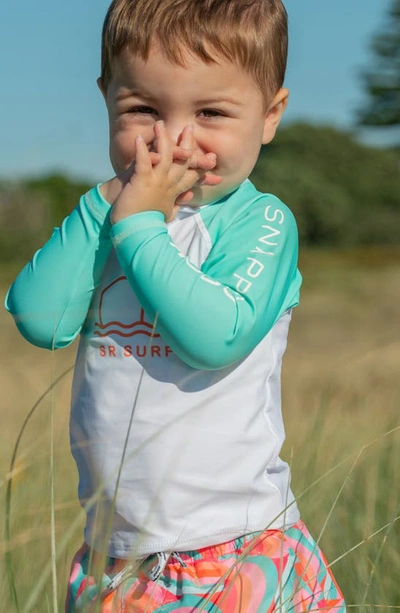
[117,304]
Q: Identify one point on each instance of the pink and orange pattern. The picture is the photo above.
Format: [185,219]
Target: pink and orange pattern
[266,572]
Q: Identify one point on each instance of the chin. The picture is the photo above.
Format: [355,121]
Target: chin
[205,194]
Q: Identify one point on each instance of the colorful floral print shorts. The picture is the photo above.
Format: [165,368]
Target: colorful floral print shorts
[262,572]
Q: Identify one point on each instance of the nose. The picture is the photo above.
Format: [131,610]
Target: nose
[174,128]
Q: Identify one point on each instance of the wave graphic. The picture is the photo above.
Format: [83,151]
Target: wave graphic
[141,326]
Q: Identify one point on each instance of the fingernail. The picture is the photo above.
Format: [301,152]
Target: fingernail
[139,137]
[211,156]
[160,123]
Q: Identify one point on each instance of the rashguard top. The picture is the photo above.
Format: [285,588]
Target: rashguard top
[176,424]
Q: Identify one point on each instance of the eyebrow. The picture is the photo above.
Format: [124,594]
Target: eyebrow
[127,93]
[218,100]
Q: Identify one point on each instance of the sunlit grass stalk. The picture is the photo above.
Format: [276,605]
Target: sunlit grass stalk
[387,526]
[90,503]
[363,541]
[378,555]
[52,501]
[121,465]
[376,606]
[284,529]
[90,561]
[40,583]
[333,506]
[302,494]
[7,531]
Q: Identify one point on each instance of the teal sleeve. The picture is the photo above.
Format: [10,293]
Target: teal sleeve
[215,316]
[51,296]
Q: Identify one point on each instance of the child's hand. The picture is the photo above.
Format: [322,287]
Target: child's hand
[160,180]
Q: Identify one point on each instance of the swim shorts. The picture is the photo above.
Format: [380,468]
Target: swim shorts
[261,572]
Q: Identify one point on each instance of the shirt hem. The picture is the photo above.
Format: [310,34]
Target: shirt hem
[190,544]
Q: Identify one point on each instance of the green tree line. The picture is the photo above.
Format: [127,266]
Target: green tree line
[381,80]
[342,193]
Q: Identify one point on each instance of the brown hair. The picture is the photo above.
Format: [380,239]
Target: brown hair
[253,33]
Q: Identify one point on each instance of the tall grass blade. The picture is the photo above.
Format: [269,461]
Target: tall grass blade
[378,555]
[52,501]
[7,527]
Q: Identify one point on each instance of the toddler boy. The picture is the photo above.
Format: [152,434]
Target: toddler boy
[181,277]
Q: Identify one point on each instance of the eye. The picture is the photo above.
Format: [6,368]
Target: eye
[142,110]
[211,113]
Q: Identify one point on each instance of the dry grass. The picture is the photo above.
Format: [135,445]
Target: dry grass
[341,400]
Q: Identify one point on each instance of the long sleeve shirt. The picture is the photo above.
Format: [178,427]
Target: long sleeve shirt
[176,422]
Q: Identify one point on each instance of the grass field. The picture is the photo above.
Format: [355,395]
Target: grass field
[341,406]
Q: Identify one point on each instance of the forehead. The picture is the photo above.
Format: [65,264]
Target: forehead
[158,71]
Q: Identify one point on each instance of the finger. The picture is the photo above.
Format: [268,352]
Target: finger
[142,157]
[186,139]
[181,154]
[187,194]
[187,181]
[154,157]
[209,179]
[177,154]
[163,145]
[203,162]
[184,198]
[173,213]
[184,148]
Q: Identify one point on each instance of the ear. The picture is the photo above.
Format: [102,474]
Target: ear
[101,87]
[274,114]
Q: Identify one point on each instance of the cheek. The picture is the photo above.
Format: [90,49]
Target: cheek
[232,154]
[238,154]
[122,149]
[248,149]
[223,144]
[234,147]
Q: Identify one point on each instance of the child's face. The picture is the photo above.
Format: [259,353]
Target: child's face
[221,101]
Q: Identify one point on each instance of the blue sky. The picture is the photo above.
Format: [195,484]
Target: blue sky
[53,117]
